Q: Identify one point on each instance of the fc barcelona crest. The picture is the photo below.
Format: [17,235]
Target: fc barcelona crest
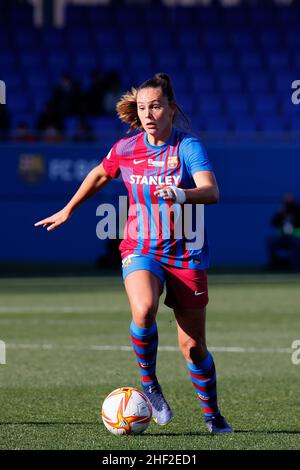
[172,161]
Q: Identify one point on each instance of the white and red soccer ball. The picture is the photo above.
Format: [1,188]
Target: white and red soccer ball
[126,410]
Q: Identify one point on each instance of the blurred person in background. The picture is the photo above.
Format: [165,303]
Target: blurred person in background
[284,247]
[67,96]
[93,98]
[50,122]
[84,132]
[112,92]
[163,168]
[5,122]
[23,133]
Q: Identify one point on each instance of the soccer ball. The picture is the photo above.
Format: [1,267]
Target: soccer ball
[126,410]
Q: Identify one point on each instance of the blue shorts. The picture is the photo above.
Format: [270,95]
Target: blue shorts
[133,263]
[185,287]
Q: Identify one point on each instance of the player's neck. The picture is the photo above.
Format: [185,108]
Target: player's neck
[160,139]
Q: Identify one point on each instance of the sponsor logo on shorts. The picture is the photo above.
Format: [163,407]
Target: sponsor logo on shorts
[128,260]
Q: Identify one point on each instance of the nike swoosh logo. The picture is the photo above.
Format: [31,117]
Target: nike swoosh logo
[135,162]
[199,293]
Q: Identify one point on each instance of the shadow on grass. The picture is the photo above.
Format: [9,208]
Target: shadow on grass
[146,434]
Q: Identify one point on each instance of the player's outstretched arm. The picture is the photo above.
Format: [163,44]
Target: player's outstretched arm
[94,181]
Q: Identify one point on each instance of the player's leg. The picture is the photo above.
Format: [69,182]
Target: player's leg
[187,295]
[144,280]
[191,339]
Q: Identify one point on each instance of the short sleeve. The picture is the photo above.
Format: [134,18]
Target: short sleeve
[111,163]
[195,155]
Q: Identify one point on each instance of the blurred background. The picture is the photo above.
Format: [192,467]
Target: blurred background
[234,66]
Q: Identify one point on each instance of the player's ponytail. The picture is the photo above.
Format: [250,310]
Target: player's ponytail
[127,110]
[127,106]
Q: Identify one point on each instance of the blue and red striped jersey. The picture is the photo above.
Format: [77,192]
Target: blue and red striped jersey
[168,232]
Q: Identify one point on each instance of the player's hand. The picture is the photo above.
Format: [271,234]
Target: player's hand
[165,192]
[170,193]
[54,220]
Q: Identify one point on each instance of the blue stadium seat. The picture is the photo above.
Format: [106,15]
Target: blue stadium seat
[289,109]
[241,39]
[293,125]
[7,60]
[203,83]
[277,60]
[283,83]
[222,60]
[270,39]
[262,16]
[14,83]
[209,106]
[233,19]
[249,60]
[271,124]
[134,39]
[167,61]
[156,15]
[184,17]
[28,38]
[53,38]
[38,80]
[257,82]
[138,60]
[292,39]
[188,40]
[58,63]
[76,16]
[38,100]
[104,124]
[5,40]
[106,38]
[32,60]
[18,103]
[100,16]
[180,83]
[161,41]
[217,124]
[209,18]
[79,38]
[128,15]
[86,59]
[195,62]
[229,83]
[236,105]
[71,124]
[186,102]
[244,124]
[265,104]
[113,60]
[213,39]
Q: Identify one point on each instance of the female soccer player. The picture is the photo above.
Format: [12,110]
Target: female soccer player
[168,176]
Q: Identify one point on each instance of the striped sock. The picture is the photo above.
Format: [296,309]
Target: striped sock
[145,342]
[203,377]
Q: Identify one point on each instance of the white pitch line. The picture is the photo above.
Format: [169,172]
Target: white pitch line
[59,309]
[233,349]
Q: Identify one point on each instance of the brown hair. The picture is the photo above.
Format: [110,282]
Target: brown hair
[127,106]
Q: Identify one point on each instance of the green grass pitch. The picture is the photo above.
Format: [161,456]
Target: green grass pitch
[68,346]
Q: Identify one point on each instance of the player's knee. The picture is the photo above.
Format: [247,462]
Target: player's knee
[193,351]
[144,314]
